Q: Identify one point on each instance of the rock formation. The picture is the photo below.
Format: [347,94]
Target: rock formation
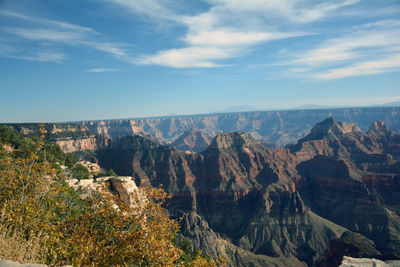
[366,262]
[192,141]
[256,205]
[71,137]
[121,186]
[73,144]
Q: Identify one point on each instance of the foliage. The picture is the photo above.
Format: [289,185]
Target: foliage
[79,172]
[110,172]
[43,220]
[53,130]
[49,152]
[101,173]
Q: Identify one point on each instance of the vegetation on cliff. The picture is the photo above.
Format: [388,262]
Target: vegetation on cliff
[43,220]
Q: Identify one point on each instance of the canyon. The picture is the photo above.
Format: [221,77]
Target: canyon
[258,206]
[328,189]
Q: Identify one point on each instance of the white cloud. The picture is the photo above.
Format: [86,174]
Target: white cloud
[57,32]
[47,57]
[47,22]
[150,8]
[194,56]
[219,32]
[110,48]
[366,49]
[230,38]
[389,64]
[96,70]
[45,34]
[298,11]
[42,56]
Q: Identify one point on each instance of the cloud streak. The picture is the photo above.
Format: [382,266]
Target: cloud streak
[194,56]
[47,22]
[53,32]
[366,49]
[97,70]
[389,64]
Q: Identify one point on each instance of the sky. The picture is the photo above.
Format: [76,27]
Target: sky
[70,60]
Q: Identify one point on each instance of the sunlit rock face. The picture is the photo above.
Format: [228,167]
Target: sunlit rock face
[366,262]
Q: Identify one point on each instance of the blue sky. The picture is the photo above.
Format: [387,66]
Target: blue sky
[63,60]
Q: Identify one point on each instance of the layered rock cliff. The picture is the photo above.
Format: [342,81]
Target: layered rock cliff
[352,178]
[71,137]
[192,141]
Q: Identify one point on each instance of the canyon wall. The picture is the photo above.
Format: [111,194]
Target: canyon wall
[281,127]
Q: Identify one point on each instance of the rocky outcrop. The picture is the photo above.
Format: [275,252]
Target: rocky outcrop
[366,262]
[281,127]
[349,244]
[71,137]
[121,186]
[73,144]
[93,168]
[192,141]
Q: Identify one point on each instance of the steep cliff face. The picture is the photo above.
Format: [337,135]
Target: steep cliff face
[91,143]
[71,137]
[237,190]
[192,141]
[352,178]
[349,244]
[281,127]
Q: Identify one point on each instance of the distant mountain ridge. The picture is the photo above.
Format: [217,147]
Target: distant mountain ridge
[280,127]
[272,128]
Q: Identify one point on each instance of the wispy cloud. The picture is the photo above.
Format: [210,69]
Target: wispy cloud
[40,34]
[53,32]
[388,64]
[110,48]
[186,57]
[298,11]
[230,38]
[96,70]
[366,49]
[224,31]
[41,56]
[47,22]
